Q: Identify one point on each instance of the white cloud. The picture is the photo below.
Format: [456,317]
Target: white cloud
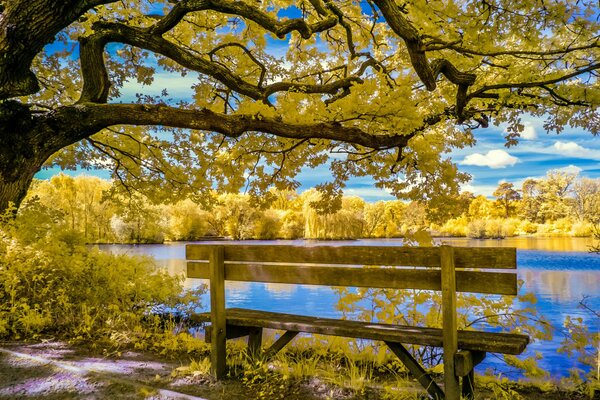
[369,194]
[569,169]
[570,148]
[573,149]
[493,159]
[529,132]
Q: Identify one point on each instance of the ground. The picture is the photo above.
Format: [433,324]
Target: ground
[59,371]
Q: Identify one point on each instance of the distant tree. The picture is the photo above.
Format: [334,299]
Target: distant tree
[530,203]
[553,192]
[506,195]
[482,208]
[586,193]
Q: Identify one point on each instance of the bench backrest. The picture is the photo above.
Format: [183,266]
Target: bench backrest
[445,268]
[490,270]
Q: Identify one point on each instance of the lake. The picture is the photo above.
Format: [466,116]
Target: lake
[559,271]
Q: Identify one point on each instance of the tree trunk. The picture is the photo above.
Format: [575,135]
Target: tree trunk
[21,153]
[13,188]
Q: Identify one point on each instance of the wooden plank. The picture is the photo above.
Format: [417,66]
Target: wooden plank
[416,370]
[466,257]
[506,343]
[465,361]
[449,323]
[281,342]
[468,386]
[392,278]
[485,257]
[255,342]
[217,312]
[232,332]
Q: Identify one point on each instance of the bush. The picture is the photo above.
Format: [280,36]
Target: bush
[527,227]
[292,225]
[494,228]
[476,229]
[268,225]
[56,286]
[455,227]
[582,229]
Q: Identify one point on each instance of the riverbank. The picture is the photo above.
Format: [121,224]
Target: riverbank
[58,371]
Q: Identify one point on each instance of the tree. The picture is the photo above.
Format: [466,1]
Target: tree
[530,204]
[553,192]
[386,87]
[506,195]
[586,193]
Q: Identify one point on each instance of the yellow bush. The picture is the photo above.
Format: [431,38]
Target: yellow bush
[476,229]
[455,227]
[56,286]
[582,229]
[527,227]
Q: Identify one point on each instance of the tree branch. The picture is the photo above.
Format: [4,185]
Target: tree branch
[82,120]
[96,83]
[26,26]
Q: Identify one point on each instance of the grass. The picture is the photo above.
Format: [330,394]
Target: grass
[330,368]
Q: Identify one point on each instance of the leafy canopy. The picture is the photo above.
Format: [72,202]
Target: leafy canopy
[370,88]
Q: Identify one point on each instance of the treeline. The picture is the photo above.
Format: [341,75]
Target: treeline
[557,204]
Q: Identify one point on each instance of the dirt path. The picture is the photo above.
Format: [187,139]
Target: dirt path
[55,370]
[58,371]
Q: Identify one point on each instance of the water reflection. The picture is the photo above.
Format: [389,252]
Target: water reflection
[560,244]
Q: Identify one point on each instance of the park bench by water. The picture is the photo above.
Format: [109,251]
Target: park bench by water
[558,270]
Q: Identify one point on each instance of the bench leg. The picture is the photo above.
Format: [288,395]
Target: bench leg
[468,386]
[254,341]
[281,342]
[416,370]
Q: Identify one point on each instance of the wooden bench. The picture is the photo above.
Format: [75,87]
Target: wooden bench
[446,269]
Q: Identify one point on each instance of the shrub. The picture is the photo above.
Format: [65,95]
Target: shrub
[582,229]
[527,227]
[455,227]
[292,225]
[563,226]
[268,225]
[476,229]
[57,286]
[494,228]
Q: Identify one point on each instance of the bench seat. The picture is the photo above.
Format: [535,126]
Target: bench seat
[492,342]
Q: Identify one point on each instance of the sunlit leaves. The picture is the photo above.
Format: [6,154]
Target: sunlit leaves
[519,53]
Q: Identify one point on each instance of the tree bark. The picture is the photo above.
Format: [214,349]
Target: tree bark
[26,26]
[20,156]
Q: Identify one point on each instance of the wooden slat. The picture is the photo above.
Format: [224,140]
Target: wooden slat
[465,361]
[217,316]
[466,257]
[232,332]
[506,343]
[485,257]
[416,370]
[281,342]
[450,333]
[391,278]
